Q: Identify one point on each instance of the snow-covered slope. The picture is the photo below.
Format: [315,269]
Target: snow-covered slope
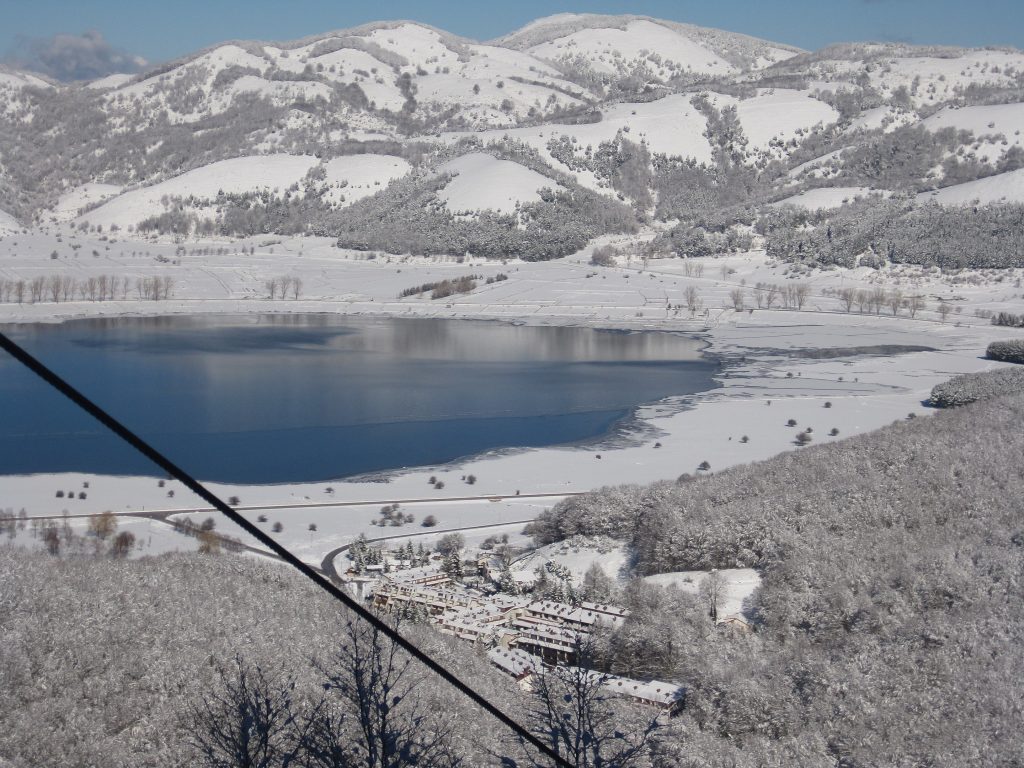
[825,198]
[778,115]
[12,79]
[353,177]
[483,182]
[8,224]
[365,106]
[670,126]
[1001,124]
[110,81]
[615,51]
[881,118]
[71,203]
[616,44]
[236,176]
[1001,188]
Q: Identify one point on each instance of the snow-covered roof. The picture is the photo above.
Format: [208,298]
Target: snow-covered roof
[514,661]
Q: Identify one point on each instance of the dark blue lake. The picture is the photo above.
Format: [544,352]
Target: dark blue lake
[278,398]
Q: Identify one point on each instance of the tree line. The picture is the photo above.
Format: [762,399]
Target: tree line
[58,288]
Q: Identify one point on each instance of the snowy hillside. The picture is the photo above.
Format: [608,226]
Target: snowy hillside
[238,176]
[826,197]
[633,120]
[484,183]
[8,224]
[623,43]
[1001,188]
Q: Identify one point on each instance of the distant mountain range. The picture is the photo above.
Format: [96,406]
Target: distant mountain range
[582,122]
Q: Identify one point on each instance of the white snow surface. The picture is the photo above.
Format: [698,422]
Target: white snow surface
[670,126]
[110,81]
[738,585]
[357,176]
[1002,188]
[825,198]
[71,203]
[8,224]
[235,176]
[577,554]
[885,117]
[611,50]
[18,80]
[777,113]
[483,182]
[1006,120]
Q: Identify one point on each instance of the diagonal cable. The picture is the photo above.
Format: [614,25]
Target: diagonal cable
[115,426]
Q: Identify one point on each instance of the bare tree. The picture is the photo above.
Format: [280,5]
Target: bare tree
[284,285]
[35,289]
[122,544]
[895,301]
[693,302]
[848,296]
[296,287]
[863,301]
[800,293]
[580,719]
[248,722]
[371,679]
[53,285]
[944,310]
[915,304]
[736,296]
[878,299]
[772,292]
[271,286]
[712,588]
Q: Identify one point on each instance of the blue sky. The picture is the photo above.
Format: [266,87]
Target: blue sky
[170,28]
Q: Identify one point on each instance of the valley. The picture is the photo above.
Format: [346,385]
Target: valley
[600,356]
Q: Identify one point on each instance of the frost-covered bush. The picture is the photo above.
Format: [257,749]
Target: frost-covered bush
[971,387]
[1007,351]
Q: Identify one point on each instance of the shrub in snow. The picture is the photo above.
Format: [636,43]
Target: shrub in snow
[1007,351]
[971,387]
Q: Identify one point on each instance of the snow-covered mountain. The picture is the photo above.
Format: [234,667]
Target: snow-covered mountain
[657,119]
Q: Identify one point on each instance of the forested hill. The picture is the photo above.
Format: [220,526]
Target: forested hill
[639,119]
[887,631]
[890,619]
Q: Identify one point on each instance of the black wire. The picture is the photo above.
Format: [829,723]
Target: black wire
[62,386]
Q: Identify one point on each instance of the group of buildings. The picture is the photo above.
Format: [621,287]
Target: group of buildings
[522,635]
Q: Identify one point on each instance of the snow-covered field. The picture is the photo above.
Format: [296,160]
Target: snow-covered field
[775,368]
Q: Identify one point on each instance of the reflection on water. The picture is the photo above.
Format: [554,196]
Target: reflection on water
[278,398]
